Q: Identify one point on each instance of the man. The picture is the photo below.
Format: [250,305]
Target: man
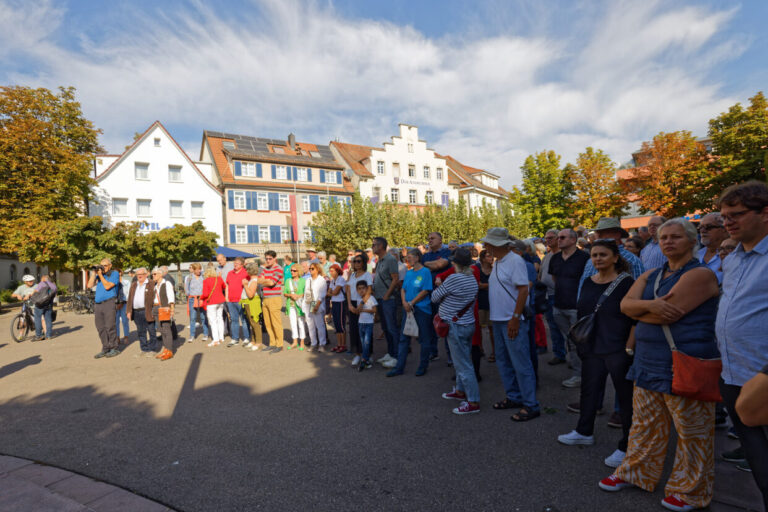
[271,280]
[713,234]
[141,296]
[223,266]
[558,343]
[610,228]
[25,289]
[46,310]
[238,328]
[106,280]
[651,255]
[436,259]
[385,286]
[371,260]
[743,313]
[312,255]
[566,268]
[287,262]
[322,257]
[643,233]
[520,248]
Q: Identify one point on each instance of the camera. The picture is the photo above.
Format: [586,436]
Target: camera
[96,268]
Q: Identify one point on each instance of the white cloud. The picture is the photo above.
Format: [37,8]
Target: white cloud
[493,100]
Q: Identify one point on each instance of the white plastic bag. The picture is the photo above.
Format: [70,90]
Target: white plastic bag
[411,327]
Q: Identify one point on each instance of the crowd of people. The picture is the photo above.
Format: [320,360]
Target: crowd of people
[674,314]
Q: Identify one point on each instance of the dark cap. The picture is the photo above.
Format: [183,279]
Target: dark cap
[463,257]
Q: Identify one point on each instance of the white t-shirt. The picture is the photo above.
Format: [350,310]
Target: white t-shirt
[367,318]
[507,274]
[339,281]
[352,283]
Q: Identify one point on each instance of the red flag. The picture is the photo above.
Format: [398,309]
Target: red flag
[294,217]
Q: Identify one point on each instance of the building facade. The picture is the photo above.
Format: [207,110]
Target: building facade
[477,187]
[154,182]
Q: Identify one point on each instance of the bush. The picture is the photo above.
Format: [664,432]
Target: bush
[62,289]
[5,295]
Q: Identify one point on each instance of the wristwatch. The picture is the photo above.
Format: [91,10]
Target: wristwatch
[629,351]
[516,315]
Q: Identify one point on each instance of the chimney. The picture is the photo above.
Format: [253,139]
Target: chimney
[292,141]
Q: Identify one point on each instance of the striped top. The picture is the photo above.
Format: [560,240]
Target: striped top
[453,296]
[275,273]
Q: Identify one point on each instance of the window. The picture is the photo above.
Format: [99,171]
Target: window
[197,210]
[263,233]
[323,202]
[380,167]
[143,207]
[306,234]
[283,202]
[13,271]
[301,174]
[177,208]
[410,147]
[445,199]
[376,193]
[248,169]
[282,174]
[429,197]
[157,142]
[411,171]
[228,144]
[314,154]
[426,171]
[439,173]
[239,197]
[333,177]
[142,171]
[278,149]
[305,206]
[395,195]
[285,233]
[262,202]
[241,235]
[120,207]
[396,170]
[174,173]
[412,196]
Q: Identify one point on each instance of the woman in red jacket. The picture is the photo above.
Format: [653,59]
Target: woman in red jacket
[213,301]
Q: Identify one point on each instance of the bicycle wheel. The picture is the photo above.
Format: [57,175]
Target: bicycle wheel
[19,328]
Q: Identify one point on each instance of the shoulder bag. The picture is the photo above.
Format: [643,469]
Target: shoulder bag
[583,331]
[527,310]
[163,312]
[692,377]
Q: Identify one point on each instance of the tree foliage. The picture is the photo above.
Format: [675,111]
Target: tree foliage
[596,193]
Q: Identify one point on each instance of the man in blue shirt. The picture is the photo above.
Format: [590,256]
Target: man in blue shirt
[106,281]
[712,233]
[436,259]
[743,313]
[651,254]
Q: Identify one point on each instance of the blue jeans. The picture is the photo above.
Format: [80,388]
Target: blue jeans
[532,342]
[238,322]
[39,314]
[424,321]
[142,328]
[194,314]
[460,343]
[388,310]
[558,343]
[513,359]
[366,336]
[122,316]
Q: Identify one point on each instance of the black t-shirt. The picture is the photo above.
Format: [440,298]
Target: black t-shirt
[611,325]
[567,276]
[482,295]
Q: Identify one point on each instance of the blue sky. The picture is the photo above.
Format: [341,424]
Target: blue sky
[487,82]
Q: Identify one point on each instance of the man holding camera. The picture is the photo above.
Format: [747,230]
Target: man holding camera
[106,281]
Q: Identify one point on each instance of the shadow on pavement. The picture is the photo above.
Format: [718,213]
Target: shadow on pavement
[60,331]
[19,365]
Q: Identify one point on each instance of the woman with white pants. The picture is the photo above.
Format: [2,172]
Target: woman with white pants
[293,290]
[314,305]
[213,300]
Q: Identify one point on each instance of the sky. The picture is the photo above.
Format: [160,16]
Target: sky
[487,82]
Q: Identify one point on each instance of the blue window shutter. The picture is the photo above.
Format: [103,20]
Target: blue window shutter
[322,175]
[232,237]
[295,174]
[231,199]
[274,172]
[274,234]
[293,235]
[258,170]
[309,174]
[253,234]
[349,200]
[238,169]
[248,204]
[314,203]
[274,201]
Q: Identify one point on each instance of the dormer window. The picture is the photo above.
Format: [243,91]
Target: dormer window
[278,149]
[228,144]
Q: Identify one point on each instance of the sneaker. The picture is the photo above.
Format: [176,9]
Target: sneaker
[214,343]
[615,420]
[356,360]
[247,345]
[614,460]
[573,382]
[555,361]
[276,350]
[384,359]
[112,353]
[268,349]
[613,483]
[38,338]
[100,354]
[743,466]
[455,395]
[205,338]
[254,347]
[573,438]
[391,363]
[466,408]
[736,455]
[674,503]
[732,433]
[364,365]
[434,357]
[233,343]
[576,407]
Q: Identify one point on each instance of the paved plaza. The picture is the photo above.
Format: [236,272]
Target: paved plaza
[225,429]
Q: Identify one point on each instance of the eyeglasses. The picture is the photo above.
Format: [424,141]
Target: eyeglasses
[735,216]
[563,237]
[710,227]
[726,249]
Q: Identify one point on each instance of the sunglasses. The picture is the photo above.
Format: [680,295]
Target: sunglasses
[357,261]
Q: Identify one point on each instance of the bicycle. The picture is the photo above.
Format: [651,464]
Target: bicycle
[23,323]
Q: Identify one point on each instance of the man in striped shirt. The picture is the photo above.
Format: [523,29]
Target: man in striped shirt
[271,280]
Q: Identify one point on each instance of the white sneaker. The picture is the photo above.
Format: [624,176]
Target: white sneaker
[205,338]
[247,345]
[391,363]
[384,359]
[573,382]
[356,361]
[254,347]
[614,460]
[574,438]
[233,343]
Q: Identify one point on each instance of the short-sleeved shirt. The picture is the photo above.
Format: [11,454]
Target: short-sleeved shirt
[367,318]
[333,284]
[612,327]
[23,290]
[225,269]
[101,293]
[651,255]
[482,295]
[415,281]
[235,283]
[384,270]
[508,273]
[714,263]
[275,273]
[352,283]
[567,274]
[428,256]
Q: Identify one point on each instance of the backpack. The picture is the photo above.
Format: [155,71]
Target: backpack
[43,298]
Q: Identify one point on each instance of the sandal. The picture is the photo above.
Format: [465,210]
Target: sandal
[506,404]
[491,358]
[525,414]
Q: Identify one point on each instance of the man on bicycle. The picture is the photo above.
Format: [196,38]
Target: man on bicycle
[26,289]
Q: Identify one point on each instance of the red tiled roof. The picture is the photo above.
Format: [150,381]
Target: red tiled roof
[354,155]
[461,175]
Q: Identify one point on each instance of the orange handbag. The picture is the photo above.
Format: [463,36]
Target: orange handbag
[164,314]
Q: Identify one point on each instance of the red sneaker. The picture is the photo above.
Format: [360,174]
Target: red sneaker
[613,483]
[455,395]
[466,408]
[674,503]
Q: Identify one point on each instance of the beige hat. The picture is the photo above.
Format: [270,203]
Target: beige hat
[498,237]
[611,223]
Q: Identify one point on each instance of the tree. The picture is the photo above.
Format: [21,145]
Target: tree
[179,243]
[596,193]
[46,150]
[544,198]
[673,175]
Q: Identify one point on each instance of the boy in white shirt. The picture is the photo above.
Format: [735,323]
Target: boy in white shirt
[367,312]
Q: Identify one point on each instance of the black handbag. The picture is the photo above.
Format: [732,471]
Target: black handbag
[582,332]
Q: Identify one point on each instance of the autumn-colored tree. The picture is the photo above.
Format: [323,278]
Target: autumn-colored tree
[596,193]
[672,176]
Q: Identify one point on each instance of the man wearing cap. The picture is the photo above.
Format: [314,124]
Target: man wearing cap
[25,289]
[507,294]
[312,255]
[651,254]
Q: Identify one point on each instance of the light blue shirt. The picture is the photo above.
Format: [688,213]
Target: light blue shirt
[636,267]
[652,256]
[103,294]
[742,319]
[713,264]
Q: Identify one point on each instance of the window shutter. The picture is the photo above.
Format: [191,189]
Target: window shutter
[258,170]
[232,236]
[248,200]
[295,174]
[231,199]
[274,234]
[274,172]
[293,235]
[238,169]
[314,203]
[309,175]
[274,201]
[253,234]
[349,200]
[322,175]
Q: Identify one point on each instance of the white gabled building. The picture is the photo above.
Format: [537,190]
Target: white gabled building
[156,183]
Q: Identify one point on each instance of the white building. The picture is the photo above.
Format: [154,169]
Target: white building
[404,171]
[477,187]
[154,182]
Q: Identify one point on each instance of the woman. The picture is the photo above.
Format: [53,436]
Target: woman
[314,303]
[338,309]
[414,295]
[121,315]
[485,266]
[357,273]
[634,244]
[456,297]
[164,298]
[608,353]
[293,290]
[193,287]
[251,302]
[687,302]
[214,303]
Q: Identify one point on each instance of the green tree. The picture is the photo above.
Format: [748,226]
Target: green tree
[544,199]
[596,193]
[178,244]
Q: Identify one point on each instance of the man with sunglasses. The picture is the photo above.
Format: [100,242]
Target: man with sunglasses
[712,233]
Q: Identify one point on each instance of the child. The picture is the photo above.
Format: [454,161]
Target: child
[367,309]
